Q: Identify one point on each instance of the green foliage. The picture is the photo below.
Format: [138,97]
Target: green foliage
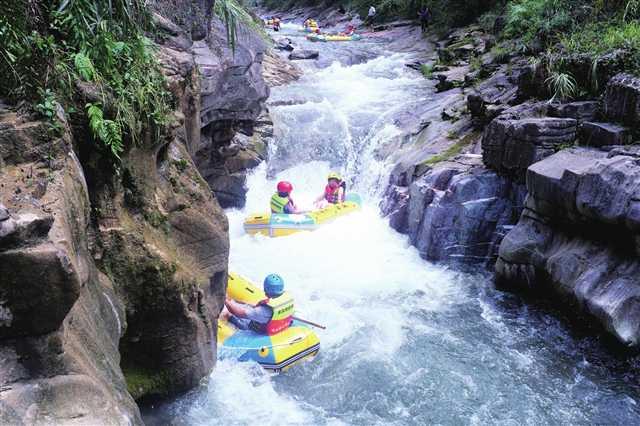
[426,70]
[501,53]
[107,131]
[84,66]
[453,150]
[602,37]
[562,85]
[233,13]
[47,47]
[475,63]
[181,164]
[48,108]
[538,19]
[143,382]
[487,20]
[631,10]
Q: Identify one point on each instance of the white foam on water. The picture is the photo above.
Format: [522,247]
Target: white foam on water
[247,395]
[342,274]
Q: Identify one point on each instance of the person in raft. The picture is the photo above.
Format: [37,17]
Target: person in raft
[281,201]
[349,31]
[334,192]
[270,316]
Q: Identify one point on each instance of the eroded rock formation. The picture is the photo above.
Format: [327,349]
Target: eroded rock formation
[112,277]
[570,234]
[61,318]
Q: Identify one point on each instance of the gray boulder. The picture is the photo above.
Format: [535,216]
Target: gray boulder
[577,239]
[510,146]
[60,319]
[581,111]
[603,134]
[622,99]
[491,97]
[304,54]
[456,212]
[284,44]
[232,87]
[230,99]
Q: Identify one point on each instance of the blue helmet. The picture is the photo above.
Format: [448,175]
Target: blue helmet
[273,285]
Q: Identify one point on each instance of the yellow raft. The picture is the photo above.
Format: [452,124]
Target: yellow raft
[275,353]
[280,225]
[333,37]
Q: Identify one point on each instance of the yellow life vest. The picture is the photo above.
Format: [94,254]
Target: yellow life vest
[278,203]
[282,309]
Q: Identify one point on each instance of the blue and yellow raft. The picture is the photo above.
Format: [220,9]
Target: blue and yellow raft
[280,225]
[333,37]
[275,353]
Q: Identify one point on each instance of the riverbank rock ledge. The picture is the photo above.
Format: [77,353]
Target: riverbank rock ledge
[111,282]
[304,54]
[579,236]
[457,212]
[61,319]
[510,145]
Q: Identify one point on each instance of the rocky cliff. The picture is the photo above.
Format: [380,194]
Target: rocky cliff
[231,91]
[577,236]
[61,317]
[112,277]
[441,194]
[546,192]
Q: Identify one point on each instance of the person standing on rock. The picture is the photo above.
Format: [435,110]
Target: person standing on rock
[425,16]
[270,316]
[371,16]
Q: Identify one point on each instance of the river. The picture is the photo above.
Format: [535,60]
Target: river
[407,342]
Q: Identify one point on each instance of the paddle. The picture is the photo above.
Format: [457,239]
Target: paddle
[322,327]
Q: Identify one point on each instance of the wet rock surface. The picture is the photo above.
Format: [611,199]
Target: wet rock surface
[300,54]
[603,134]
[60,318]
[511,145]
[112,282]
[457,212]
[622,99]
[233,91]
[570,233]
[577,237]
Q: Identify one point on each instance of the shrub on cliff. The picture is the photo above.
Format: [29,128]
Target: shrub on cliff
[90,56]
[581,41]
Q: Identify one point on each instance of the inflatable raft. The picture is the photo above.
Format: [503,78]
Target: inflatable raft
[333,37]
[280,225]
[275,353]
[311,27]
[314,30]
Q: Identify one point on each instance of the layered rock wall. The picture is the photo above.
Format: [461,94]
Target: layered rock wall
[112,277]
[61,319]
[548,197]
[578,236]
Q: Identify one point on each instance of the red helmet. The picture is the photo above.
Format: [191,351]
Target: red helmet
[285,186]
